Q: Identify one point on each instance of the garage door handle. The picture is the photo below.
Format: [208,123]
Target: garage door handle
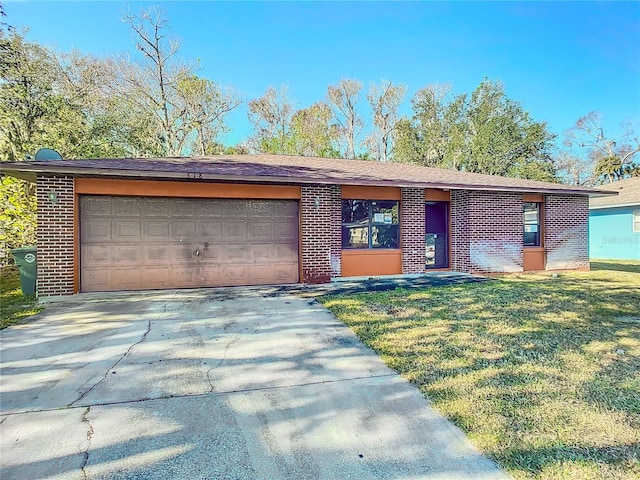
[197,252]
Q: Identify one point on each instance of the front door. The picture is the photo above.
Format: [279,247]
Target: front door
[437,234]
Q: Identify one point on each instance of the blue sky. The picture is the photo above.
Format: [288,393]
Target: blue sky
[560,59]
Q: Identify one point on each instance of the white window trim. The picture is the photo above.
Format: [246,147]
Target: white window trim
[635,227]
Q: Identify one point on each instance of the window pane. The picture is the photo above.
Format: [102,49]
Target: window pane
[355,237]
[355,211]
[384,211]
[531,213]
[385,236]
[532,239]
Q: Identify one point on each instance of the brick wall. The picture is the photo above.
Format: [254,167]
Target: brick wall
[486,233]
[321,215]
[566,232]
[459,254]
[412,230]
[55,236]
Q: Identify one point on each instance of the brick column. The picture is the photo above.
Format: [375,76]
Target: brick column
[320,220]
[412,236]
[566,231]
[55,235]
[459,260]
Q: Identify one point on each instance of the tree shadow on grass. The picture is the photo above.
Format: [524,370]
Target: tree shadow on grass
[621,266]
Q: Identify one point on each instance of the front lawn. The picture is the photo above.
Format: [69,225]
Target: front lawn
[542,373]
[14,306]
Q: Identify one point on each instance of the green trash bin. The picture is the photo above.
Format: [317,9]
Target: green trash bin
[25,259]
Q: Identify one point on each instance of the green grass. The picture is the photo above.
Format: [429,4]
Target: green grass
[542,373]
[14,306]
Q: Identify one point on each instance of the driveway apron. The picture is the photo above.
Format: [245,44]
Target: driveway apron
[212,384]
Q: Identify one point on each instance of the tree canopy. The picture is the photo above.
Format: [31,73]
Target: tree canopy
[485,132]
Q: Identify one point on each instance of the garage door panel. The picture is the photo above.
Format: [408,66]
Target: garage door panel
[185,208]
[96,280]
[284,253]
[210,253]
[127,231]
[284,231]
[183,230]
[262,253]
[184,277]
[234,275]
[97,206]
[234,231]
[130,243]
[156,277]
[155,255]
[210,231]
[97,231]
[235,254]
[156,208]
[263,209]
[126,207]
[156,231]
[126,278]
[232,209]
[284,271]
[97,255]
[285,209]
[260,231]
[183,254]
[126,255]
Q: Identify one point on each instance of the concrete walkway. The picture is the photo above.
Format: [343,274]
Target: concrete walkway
[212,384]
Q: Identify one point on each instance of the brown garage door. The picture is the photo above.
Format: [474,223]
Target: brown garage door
[138,243]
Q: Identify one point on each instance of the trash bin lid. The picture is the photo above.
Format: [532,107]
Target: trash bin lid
[23,250]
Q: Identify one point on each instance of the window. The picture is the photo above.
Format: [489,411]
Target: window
[531,224]
[636,221]
[370,224]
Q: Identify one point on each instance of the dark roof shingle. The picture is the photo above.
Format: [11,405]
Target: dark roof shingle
[286,169]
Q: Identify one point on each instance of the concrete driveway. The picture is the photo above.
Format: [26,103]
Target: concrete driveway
[212,384]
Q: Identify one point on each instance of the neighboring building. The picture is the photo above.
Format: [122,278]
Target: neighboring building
[614,222]
[135,224]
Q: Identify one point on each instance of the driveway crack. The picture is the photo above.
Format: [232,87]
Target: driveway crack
[106,374]
[86,444]
[217,365]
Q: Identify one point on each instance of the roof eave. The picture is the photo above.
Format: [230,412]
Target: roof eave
[29,173]
[617,205]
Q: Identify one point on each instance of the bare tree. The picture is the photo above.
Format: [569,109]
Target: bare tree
[385,99]
[271,117]
[159,76]
[188,110]
[206,103]
[612,157]
[343,99]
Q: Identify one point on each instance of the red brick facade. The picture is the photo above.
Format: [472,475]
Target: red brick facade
[486,231]
[320,226]
[412,230]
[55,233]
[566,233]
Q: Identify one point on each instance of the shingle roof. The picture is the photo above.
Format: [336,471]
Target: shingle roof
[628,194]
[285,169]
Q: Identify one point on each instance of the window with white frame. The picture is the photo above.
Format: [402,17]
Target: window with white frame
[636,221]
